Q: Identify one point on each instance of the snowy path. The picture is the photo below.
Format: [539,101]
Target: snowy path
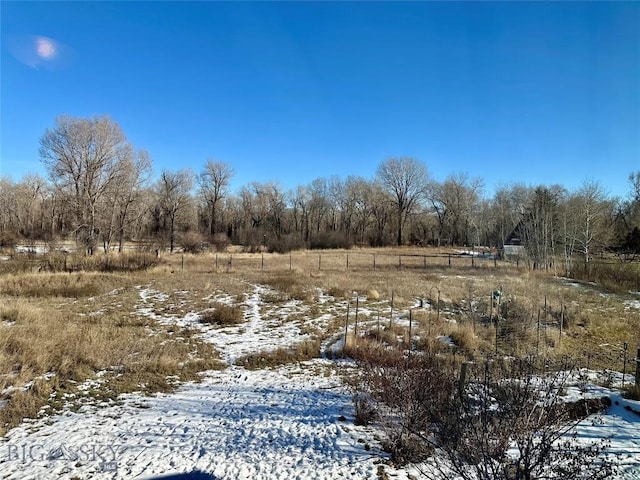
[235,424]
[292,422]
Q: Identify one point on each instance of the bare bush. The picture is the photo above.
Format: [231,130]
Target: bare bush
[220,242]
[222,314]
[506,421]
[192,242]
[499,421]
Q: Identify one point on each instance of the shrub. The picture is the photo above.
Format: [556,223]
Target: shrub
[300,352]
[284,243]
[328,240]
[220,242]
[222,314]
[191,242]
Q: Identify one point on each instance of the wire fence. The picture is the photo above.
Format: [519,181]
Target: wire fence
[486,338]
[349,261]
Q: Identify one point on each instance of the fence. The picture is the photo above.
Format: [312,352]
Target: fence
[540,339]
[346,261]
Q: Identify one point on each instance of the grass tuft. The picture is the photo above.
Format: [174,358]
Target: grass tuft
[300,352]
[222,314]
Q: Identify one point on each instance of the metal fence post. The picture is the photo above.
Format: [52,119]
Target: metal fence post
[638,369]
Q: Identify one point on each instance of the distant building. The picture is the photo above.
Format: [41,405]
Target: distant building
[513,253]
[512,249]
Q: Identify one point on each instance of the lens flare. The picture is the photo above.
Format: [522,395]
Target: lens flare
[45,48]
[38,51]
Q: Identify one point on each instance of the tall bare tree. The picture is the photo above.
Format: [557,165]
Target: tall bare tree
[129,206]
[214,181]
[591,215]
[174,197]
[404,179]
[83,158]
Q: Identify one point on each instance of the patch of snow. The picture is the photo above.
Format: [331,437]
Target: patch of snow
[235,424]
[447,340]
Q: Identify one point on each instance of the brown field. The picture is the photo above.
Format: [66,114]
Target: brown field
[60,326]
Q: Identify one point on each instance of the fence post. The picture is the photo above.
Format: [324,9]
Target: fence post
[346,325]
[424,260]
[319,262]
[538,338]
[182,265]
[624,362]
[374,261]
[410,325]
[391,314]
[638,369]
[355,330]
[463,377]
[290,262]
[262,262]
[347,261]
[399,262]
[449,255]
[216,261]
[561,324]
[497,317]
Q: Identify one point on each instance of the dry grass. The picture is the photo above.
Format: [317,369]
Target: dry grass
[36,338]
[73,285]
[223,314]
[305,350]
[46,349]
[77,262]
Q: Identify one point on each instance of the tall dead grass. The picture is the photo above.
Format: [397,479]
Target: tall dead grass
[43,349]
[305,350]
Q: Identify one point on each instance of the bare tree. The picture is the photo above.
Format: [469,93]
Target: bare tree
[83,158]
[173,190]
[404,179]
[540,225]
[456,203]
[591,214]
[134,177]
[214,181]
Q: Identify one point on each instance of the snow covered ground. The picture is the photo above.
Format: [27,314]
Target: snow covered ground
[291,422]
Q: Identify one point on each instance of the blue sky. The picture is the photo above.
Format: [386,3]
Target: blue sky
[510,92]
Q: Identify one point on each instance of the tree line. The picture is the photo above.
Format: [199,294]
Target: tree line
[100,191]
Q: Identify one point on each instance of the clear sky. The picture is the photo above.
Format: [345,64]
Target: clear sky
[530,92]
